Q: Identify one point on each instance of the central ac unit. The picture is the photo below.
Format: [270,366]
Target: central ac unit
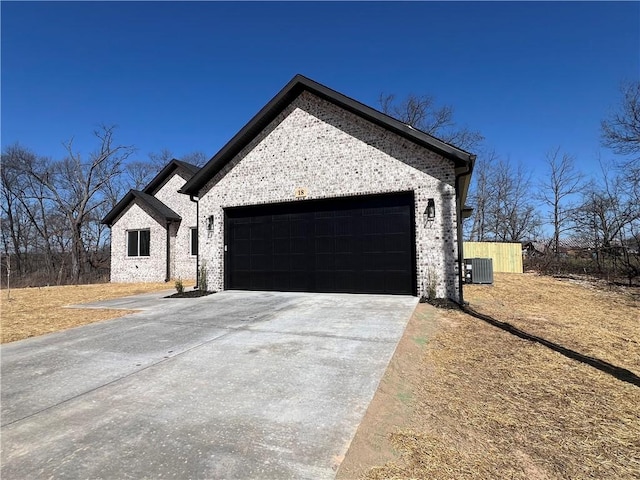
[478,270]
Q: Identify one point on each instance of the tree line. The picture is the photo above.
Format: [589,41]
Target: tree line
[600,214]
[51,208]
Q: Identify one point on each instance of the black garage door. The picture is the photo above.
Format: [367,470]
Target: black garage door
[355,245]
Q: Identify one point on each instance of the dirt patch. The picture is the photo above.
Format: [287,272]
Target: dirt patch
[488,404]
[588,317]
[191,294]
[441,303]
[394,400]
[29,312]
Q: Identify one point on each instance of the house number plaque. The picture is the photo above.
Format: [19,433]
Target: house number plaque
[300,192]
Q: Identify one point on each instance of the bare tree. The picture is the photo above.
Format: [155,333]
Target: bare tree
[621,131]
[422,113]
[196,158]
[609,218]
[616,201]
[479,198]
[512,216]
[138,173]
[561,183]
[502,199]
[160,159]
[13,215]
[27,209]
[76,186]
[51,209]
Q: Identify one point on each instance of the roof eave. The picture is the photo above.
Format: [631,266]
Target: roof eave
[166,171]
[451,152]
[464,183]
[131,196]
[167,215]
[295,87]
[114,213]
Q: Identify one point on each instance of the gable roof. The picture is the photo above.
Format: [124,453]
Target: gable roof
[146,195]
[167,170]
[289,93]
[149,201]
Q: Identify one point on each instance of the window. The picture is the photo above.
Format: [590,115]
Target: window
[194,241]
[138,243]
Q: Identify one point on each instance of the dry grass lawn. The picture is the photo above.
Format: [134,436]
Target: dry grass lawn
[487,404]
[35,311]
[462,398]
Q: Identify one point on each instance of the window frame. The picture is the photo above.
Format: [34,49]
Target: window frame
[193,233]
[138,243]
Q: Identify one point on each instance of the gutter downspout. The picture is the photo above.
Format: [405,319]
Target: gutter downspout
[196,200]
[459,208]
[168,275]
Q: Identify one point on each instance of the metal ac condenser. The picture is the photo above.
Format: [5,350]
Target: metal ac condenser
[478,270]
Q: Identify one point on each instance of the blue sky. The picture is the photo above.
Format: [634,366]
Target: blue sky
[188,76]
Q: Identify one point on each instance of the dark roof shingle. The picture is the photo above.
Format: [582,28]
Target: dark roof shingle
[146,195]
[151,202]
[289,93]
[167,170]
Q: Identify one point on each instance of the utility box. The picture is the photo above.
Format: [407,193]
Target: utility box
[478,270]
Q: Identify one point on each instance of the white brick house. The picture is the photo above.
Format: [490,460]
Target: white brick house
[319,192]
[153,231]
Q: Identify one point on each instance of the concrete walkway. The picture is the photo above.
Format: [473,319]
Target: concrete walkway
[236,385]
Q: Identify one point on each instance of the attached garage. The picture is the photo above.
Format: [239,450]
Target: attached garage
[351,245]
[320,193]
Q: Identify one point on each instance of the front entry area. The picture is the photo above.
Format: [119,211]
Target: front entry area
[362,244]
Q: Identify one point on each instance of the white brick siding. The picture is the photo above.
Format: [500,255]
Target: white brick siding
[183,264]
[334,153]
[138,269]
[154,267]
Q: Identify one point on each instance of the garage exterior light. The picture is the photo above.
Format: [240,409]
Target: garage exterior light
[430,211]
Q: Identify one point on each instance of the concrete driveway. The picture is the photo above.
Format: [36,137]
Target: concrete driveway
[234,385]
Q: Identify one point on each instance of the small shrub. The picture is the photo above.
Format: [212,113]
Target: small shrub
[179,286]
[432,280]
[202,277]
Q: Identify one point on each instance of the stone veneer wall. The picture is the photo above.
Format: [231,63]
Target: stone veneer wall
[153,268]
[333,153]
[138,269]
[183,264]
